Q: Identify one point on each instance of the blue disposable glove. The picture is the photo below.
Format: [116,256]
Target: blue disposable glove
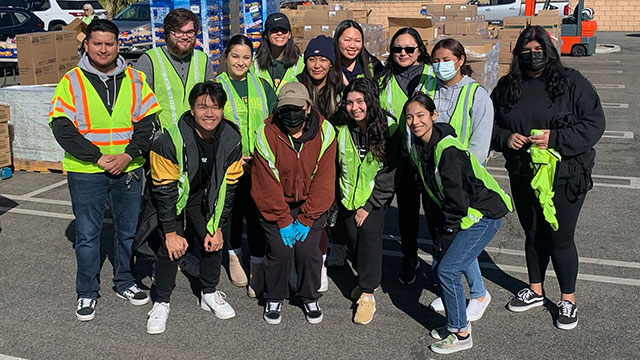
[288,235]
[301,230]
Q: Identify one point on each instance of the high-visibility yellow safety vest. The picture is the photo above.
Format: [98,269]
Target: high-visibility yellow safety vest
[356,178]
[473,215]
[88,19]
[76,99]
[461,117]
[392,99]
[172,93]
[248,117]
[289,75]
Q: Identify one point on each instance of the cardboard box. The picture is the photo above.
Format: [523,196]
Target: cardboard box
[504,57]
[36,49]
[515,22]
[4,113]
[547,22]
[66,46]
[336,17]
[64,67]
[311,31]
[361,16]
[297,31]
[5,143]
[423,26]
[509,34]
[548,13]
[78,27]
[316,17]
[34,75]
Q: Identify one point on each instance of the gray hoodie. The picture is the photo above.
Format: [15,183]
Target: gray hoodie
[445,99]
[108,92]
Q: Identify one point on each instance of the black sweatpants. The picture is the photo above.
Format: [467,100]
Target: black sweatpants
[541,242]
[365,245]
[305,255]
[195,232]
[408,195]
[244,208]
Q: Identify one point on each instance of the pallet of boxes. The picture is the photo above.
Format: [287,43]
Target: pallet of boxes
[43,59]
[310,21]
[5,143]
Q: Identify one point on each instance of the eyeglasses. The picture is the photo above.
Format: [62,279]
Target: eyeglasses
[408,49]
[179,34]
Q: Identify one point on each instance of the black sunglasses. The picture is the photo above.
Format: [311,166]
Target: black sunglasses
[408,49]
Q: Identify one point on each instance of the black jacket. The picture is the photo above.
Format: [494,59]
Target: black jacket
[535,110]
[461,188]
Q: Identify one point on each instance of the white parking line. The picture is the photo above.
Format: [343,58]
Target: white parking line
[37,213]
[615,105]
[7,357]
[621,182]
[602,71]
[36,200]
[609,86]
[618,134]
[46,188]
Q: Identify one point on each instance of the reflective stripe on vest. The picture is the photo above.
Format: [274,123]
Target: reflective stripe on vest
[76,99]
[173,95]
[473,215]
[394,98]
[289,75]
[461,117]
[357,177]
[250,117]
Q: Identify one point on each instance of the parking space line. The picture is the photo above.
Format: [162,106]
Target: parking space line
[621,182]
[45,189]
[615,105]
[9,357]
[609,86]
[36,200]
[618,134]
[37,213]
[602,71]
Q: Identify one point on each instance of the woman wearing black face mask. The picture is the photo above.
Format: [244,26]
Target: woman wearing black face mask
[543,107]
[293,185]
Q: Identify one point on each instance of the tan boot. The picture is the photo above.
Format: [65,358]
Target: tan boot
[366,309]
[238,277]
[256,280]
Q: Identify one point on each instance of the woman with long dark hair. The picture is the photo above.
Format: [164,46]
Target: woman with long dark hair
[351,55]
[407,70]
[541,105]
[250,101]
[369,151]
[467,107]
[277,59]
[465,206]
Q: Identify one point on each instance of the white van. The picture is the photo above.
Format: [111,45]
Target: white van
[57,13]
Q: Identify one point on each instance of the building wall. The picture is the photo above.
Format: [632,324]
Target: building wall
[611,15]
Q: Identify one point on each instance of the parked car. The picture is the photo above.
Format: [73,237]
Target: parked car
[496,10]
[14,21]
[134,23]
[57,13]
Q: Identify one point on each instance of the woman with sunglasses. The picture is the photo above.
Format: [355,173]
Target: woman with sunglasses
[540,93]
[277,59]
[465,206]
[351,55]
[250,102]
[407,70]
[467,107]
[369,151]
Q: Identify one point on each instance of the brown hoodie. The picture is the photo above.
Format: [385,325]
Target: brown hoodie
[282,177]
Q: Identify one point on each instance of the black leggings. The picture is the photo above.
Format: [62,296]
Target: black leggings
[408,193]
[542,243]
[244,208]
[365,245]
[195,232]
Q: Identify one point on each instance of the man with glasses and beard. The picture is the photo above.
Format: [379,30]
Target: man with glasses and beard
[174,70]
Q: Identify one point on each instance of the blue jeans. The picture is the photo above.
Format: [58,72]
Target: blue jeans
[89,196]
[473,276]
[462,253]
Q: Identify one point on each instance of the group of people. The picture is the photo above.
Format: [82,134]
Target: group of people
[311,146]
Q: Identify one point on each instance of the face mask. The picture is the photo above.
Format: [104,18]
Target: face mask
[533,61]
[445,70]
[292,118]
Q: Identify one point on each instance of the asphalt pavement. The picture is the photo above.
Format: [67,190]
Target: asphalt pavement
[37,272]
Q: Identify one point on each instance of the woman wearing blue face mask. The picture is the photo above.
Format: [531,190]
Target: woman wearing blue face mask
[467,107]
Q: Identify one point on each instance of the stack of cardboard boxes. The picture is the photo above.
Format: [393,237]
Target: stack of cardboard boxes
[5,147]
[43,58]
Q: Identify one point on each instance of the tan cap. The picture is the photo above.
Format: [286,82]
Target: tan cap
[293,94]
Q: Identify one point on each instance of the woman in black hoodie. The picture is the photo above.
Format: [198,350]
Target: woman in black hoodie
[465,206]
[565,108]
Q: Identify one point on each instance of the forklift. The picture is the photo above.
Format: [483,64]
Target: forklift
[577,31]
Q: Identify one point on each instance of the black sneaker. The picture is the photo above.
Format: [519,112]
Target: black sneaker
[272,312]
[525,300]
[86,309]
[190,264]
[567,315]
[313,312]
[409,268]
[134,295]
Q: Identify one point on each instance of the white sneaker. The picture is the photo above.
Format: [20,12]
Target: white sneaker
[215,303]
[437,305]
[324,280]
[337,255]
[86,309]
[476,308]
[156,324]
